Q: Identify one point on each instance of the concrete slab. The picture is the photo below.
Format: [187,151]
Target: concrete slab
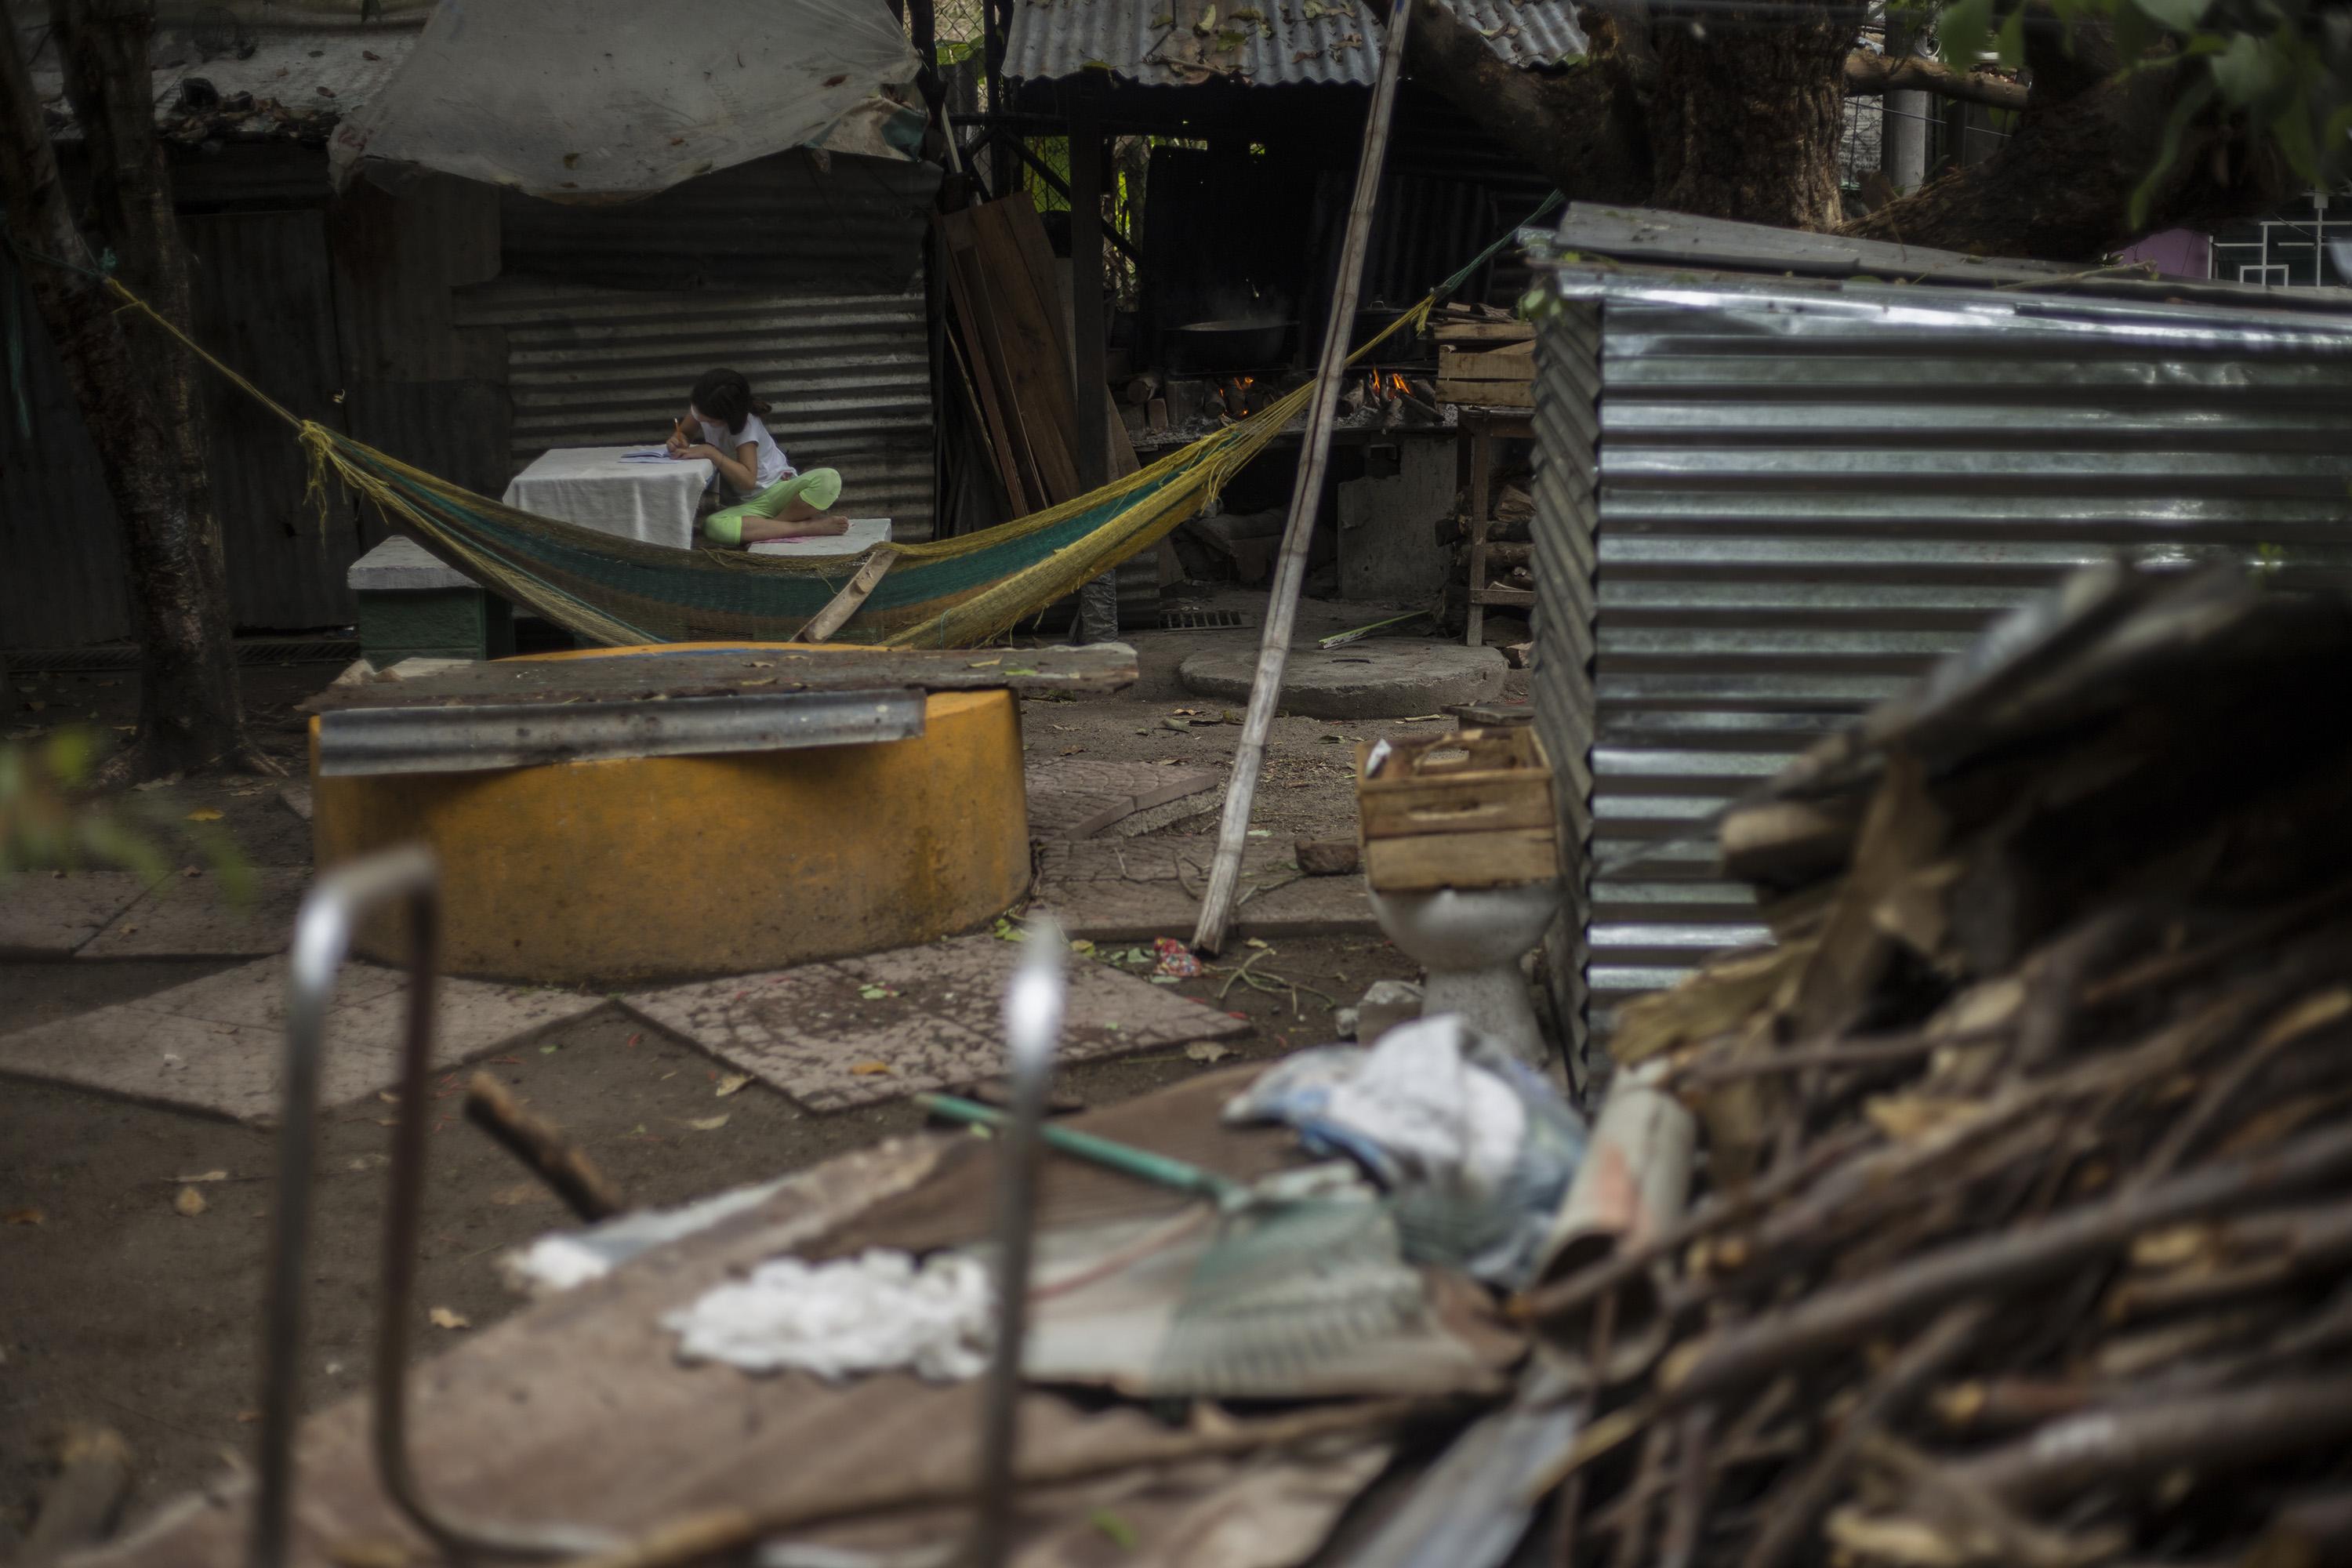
[864,535]
[45,914]
[931,1021]
[192,917]
[1131,889]
[217,1044]
[1379,678]
[1077,798]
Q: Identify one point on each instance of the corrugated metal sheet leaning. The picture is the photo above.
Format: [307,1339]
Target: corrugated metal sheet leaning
[849,376]
[1807,493]
[1261,42]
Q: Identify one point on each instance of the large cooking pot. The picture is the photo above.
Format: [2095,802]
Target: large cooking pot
[1214,346]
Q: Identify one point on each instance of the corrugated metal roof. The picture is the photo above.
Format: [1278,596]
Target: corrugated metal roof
[848,375]
[1261,42]
[1806,496]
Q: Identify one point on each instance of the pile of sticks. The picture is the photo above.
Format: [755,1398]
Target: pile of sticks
[2027,1235]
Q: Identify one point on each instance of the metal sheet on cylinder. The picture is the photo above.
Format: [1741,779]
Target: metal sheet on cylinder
[675,867]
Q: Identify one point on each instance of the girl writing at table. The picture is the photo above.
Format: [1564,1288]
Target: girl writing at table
[774,500]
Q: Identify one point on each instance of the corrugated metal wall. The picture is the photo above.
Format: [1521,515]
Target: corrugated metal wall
[1806,498]
[62,580]
[849,376]
[1567,412]
[785,223]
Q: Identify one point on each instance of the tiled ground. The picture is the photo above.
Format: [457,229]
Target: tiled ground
[188,917]
[217,1044]
[48,914]
[861,1030]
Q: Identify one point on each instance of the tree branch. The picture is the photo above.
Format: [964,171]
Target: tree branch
[1868,75]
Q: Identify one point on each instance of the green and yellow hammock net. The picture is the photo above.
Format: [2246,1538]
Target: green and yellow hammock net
[950,593]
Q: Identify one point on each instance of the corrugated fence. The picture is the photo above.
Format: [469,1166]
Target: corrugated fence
[1806,497]
[848,376]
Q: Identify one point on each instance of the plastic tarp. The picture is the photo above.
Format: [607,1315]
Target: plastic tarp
[605,100]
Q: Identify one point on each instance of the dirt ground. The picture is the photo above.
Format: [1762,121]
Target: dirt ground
[116,1309]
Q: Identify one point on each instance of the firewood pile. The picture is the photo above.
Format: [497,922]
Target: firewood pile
[2027,1232]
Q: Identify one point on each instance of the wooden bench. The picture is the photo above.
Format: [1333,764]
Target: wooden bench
[413,607]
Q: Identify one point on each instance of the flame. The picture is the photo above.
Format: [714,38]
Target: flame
[1247,382]
[1395,384]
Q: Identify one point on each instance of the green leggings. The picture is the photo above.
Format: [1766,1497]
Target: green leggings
[818,487]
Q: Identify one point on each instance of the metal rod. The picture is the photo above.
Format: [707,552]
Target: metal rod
[323,938]
[1033,1025]
[1061,188]
[1305,501]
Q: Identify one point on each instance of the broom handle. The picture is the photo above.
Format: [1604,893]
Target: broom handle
[1125,1158]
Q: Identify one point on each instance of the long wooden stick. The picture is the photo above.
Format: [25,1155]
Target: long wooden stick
[844,605]
[1306,498]
[541,1145]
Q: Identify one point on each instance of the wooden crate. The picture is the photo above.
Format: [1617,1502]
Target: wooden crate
[1487,377]
[1472,809]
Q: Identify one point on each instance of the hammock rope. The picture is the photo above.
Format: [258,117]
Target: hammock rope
[950,593]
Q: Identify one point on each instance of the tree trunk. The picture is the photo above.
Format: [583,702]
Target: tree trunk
[138,400]
[2060,188]
[1745,117]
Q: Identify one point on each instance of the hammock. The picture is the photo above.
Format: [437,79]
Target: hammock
[950,593]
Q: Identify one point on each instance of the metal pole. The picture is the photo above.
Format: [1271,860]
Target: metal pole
[1033,1025]
[1903,122]
[1099,599]
[1305,499]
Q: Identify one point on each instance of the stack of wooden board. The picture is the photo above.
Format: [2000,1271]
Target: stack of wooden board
[1485,358]
[1011,348]
[1472,809]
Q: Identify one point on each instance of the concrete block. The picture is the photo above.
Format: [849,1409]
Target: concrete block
[1379,678]
[411,606]
[1132,889]
[217,1044]
[46,915]
[865,533]
[1388,551]
[192,917]
[858,1031]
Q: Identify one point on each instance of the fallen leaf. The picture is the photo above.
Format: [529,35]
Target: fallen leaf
[707,1124]
[1258,941]
[204,813]
[189,1203]
[368,1551]
[202,1176]
[519,1193]
[443,1318]
[763,681]
[1081,944]
[22,1216]
[731,1082]
[870,1069]
[1207,1051]
[875,993]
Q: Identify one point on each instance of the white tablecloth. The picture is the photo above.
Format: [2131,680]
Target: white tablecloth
[593,486]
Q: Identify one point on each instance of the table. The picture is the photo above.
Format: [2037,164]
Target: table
[592,486]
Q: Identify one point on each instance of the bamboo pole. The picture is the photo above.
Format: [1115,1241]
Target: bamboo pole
[1306,497]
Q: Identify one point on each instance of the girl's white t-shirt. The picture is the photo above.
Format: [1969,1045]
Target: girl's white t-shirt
[771,463]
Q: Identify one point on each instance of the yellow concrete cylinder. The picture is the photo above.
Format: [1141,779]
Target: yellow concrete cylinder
[663,867]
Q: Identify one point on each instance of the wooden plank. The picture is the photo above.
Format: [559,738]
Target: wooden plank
[1482,479]
[954,233]
[1027,315]
[1517,597]
[1506,802]
[845,604]
[1488,394]
[1435,860]
[1484,333]
[994,359]
[753,668]
[1514,361]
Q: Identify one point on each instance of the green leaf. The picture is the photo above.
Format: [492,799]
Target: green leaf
[2244,71]
[1961,33]
[1120,1533]
[2010,43]
[2180,16]
[2291,130]
[2192,102]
